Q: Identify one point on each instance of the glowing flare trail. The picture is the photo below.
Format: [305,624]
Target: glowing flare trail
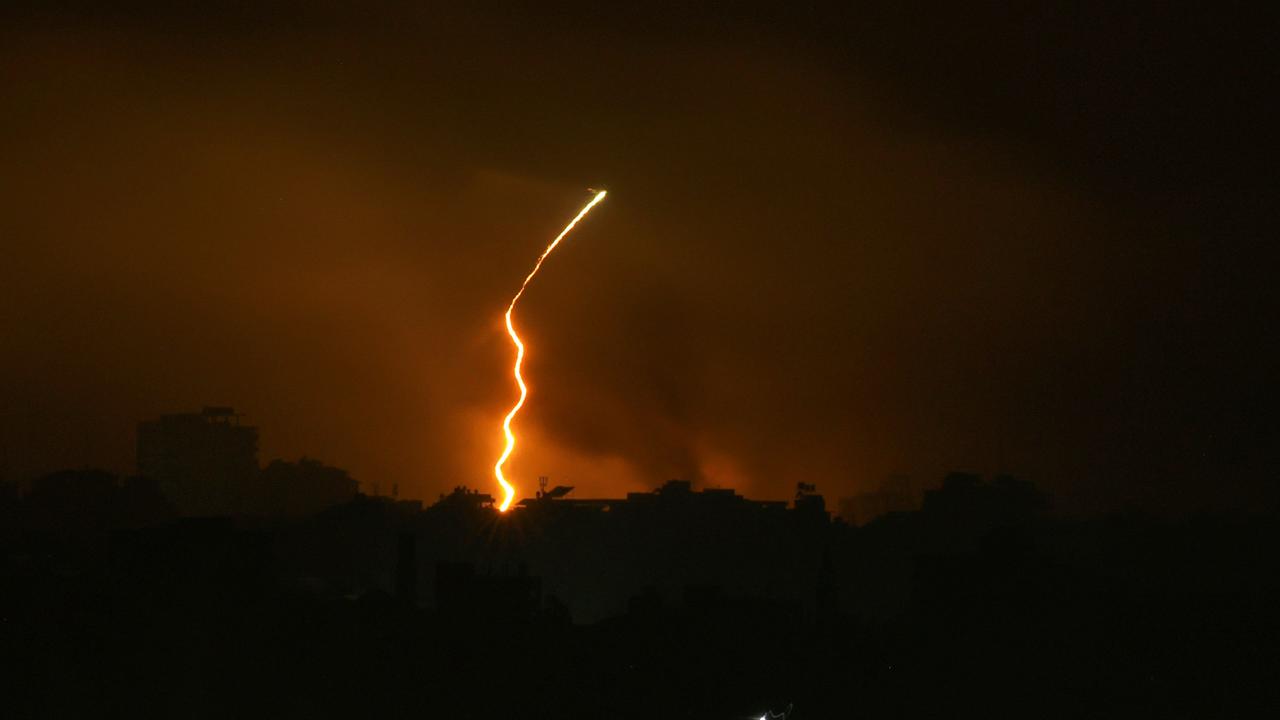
[507,487]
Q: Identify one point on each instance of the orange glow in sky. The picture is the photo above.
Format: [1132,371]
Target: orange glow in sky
[508,489]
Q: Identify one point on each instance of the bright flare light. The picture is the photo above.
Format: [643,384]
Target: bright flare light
[507,487]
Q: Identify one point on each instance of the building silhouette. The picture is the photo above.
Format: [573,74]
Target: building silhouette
[298,489]
[893,495]
[205,463]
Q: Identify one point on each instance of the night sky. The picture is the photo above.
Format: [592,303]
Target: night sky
[840,242]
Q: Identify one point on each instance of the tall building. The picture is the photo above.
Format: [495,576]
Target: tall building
[205,463]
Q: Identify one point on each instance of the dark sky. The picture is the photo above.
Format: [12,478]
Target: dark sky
[841,241]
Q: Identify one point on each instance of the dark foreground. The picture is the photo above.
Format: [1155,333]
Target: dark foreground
[981,603]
